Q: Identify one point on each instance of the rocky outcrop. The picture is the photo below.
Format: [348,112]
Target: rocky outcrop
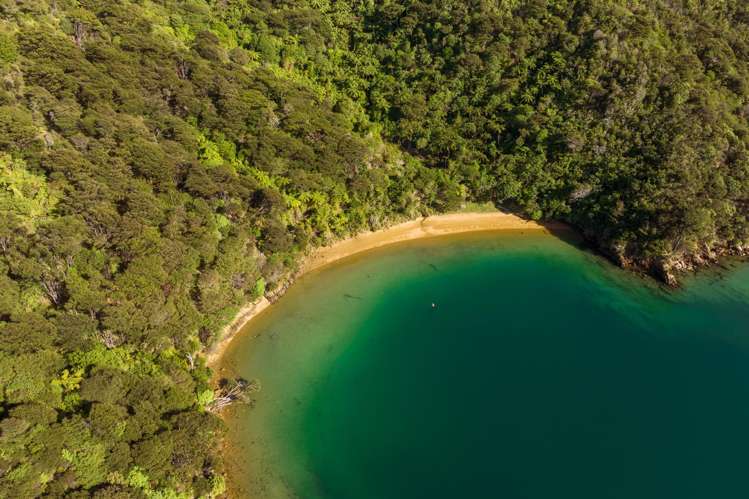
[670,269]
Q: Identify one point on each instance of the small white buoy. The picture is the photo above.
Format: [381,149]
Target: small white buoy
[434,305]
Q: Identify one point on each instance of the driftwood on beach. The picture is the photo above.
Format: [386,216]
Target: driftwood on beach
[232,391]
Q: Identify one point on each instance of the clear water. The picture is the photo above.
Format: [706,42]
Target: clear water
[542,372]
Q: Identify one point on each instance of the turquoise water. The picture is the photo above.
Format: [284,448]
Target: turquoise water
[542,372]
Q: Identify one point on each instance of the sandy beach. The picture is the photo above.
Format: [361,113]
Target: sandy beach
[439,225]
[423,227]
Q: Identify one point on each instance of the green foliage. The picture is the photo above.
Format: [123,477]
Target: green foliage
[8,48]
[163,163]
[23,194]
[259,287]
[138,480]
[208,152]
[68,380]
[205,397]
[26,377]
[87,462]
[18,133]
[100,356]
[619,117]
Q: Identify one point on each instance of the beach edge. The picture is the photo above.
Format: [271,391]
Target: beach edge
[419,228]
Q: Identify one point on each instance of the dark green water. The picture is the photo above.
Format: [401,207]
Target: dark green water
[543,372]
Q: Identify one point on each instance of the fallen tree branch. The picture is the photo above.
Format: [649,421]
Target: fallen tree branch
[231,391]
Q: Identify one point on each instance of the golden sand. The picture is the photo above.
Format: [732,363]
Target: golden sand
[439,225]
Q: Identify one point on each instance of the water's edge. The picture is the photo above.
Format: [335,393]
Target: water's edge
[420,228]
[288,362]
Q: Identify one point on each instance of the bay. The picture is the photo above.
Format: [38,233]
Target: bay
[494,365]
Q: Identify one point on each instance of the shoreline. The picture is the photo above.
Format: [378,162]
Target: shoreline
[420,228]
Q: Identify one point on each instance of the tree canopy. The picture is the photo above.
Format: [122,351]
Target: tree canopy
[163,162]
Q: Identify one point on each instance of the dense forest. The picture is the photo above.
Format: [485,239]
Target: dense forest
[163,162]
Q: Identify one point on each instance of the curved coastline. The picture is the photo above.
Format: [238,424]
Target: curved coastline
[420,228]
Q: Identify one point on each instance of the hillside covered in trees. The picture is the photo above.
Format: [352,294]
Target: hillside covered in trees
[164,162]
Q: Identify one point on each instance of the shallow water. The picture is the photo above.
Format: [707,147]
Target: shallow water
[541,372]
